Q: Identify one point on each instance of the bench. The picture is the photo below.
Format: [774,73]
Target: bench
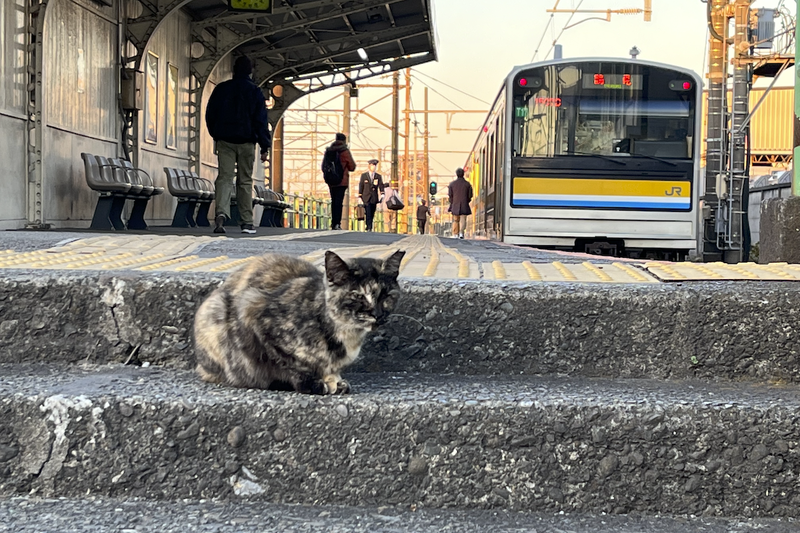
[273,205]
[193,193]
[118,180]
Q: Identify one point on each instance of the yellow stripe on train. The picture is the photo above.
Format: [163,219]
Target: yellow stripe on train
[602,187]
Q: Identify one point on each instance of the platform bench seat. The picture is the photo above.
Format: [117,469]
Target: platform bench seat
[273,204]
[117,180]
[193,194]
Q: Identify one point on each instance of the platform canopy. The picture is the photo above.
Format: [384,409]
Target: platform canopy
[320,43]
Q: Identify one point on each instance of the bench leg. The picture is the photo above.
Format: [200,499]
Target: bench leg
[102,214]
[181,217]
[136,220]
[190,213]
[272,218]
[202,214]
[117,205]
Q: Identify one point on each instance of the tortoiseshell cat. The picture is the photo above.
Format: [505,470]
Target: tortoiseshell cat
[281,323]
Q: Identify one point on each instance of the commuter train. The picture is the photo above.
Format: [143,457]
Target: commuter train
[592,155]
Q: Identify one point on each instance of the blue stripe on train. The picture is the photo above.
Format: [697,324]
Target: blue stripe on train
[578,203]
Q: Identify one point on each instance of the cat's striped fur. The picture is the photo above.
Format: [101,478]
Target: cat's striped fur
[281,323]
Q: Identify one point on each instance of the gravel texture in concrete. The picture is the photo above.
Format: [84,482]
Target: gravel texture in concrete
[698,330]
[534,444]
[28,515]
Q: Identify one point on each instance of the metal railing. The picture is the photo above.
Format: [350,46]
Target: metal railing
[307,212]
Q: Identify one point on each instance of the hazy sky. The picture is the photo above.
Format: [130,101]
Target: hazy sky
[479,42]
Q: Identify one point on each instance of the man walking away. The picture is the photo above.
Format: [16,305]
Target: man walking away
[371,190]
[460,193]
[236,117]
[423,212]
[338,178]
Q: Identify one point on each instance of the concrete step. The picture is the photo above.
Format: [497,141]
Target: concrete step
[29,515]
[534,444]
[709,331]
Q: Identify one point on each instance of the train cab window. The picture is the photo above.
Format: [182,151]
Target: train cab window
[607,109]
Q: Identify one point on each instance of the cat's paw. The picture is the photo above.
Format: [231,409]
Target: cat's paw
[313,386]
[342,387]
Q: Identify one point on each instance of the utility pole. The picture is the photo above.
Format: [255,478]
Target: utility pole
[276,165]
[425,167]
[395,127]
[346,131]
[407,128]
[716,133]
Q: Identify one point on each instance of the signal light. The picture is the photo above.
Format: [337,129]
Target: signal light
[432,188]
[523,82]
[687,85]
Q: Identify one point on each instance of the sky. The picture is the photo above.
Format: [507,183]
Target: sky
[479,42]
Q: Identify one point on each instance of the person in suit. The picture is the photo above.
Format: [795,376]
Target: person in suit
[371,191]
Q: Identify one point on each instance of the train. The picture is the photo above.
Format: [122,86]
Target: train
[594,155]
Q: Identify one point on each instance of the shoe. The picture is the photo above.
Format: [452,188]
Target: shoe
[248,228]
[337,227]
[219,224]
[460,235]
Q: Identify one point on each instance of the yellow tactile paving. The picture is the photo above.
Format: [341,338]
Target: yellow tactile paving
[721,271]
[426,257]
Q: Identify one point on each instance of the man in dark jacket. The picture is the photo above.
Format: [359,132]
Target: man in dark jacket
[339,190]
[371,190]
[236,117]
[460,193]
[423,212]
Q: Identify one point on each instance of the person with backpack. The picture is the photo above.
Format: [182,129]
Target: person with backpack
[371,191]
[236,116]
[337,164]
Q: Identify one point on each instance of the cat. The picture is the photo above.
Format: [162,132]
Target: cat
[280,323]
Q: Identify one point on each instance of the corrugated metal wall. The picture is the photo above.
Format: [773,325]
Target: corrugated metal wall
[13,96]
[80,78]
[159,149]
[772,127]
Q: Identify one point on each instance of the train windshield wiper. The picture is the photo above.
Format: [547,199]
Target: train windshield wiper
[654,158]
[601,156]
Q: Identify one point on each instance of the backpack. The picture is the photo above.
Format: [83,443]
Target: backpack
[332,169]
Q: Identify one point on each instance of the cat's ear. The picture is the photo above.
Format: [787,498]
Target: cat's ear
[392,265]
[336,269]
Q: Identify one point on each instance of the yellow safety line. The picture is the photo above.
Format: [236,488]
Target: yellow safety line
[632,272]
[499,270]
[463,268]
[564,271]
[71,257]
[133,261]
[202,262]
[667,269]
[597,271]
[171,262]
[99,257]
[232,264]
[432,264]
[705,270]
[738,269]
[532,272]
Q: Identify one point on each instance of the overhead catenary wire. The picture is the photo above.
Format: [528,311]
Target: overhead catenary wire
[450,87]
[571,15]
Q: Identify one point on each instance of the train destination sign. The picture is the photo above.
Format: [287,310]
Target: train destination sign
[600,80]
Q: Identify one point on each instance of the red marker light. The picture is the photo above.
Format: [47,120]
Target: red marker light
[687,85]
[485,129]
[523,82]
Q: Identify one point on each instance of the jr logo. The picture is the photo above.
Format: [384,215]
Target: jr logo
[676,191]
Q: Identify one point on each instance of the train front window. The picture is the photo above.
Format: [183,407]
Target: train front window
[602,109]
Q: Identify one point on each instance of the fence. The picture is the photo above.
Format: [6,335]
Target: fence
[775,185]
